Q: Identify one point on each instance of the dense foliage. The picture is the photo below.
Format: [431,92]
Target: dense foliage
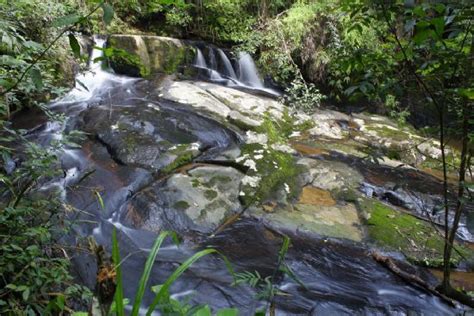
[411,60]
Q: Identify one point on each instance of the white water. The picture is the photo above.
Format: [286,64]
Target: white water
[90,82]
[248,71]
[200,61]
[244,74]
[227,64]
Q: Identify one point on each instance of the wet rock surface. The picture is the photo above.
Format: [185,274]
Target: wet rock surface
[154,135]
[199,200]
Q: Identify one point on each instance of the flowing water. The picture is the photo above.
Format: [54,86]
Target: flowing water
[242,74]
[337,277]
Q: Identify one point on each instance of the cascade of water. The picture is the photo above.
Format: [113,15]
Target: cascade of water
[199,61]
[90,82]
[248,71]
[212,59]
[229,70]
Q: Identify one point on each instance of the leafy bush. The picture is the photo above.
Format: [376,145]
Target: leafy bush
[34,269]
[302,95]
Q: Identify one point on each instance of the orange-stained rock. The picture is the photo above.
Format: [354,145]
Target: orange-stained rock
[314,196]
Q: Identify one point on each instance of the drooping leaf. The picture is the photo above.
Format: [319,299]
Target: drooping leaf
[108,13]
[350,90]
[75,47]
[176,274]
[147,270]
[82,85]
[67,20]
[35,76]
[118,272]
[99,198]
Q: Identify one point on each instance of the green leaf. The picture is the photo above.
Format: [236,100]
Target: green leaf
[8,60]
[147,270]
[419,11]
[176,274]
[204,311]
[350,90]
[118,298]
[75,47]
[228,312]
[438,24]
[108,13]
[67,20]
[466,92]
[26,294]
[35,76]
[421,35]
[99,198]
[440,8]
[82,85]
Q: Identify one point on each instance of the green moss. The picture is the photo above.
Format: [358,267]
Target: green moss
[181,205]
[195,183]
[387,132]
[393,154]
[275,169]
[216,180]
[210,194]
[180,161]
[125,62]
[167,55]
[347,195]
[417,239]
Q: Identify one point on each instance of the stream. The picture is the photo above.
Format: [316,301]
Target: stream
[338,277]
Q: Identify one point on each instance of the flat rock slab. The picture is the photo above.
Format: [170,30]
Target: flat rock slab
[222,103]
[338,221]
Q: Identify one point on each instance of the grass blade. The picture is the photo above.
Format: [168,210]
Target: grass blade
[147,270]
[176,274]
[118,272]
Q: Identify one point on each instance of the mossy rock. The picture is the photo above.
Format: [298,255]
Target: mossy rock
[142,56]
[129,55]
[415,238]
[275,169]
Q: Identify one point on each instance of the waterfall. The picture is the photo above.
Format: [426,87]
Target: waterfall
[94,79]
[248,71]
[229,71]
[200,61]
[212,59]
[219,69]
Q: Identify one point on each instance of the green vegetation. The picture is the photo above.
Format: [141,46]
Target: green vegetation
[418,240]
[275,167]
[410,60]
[163,301]
[183,159]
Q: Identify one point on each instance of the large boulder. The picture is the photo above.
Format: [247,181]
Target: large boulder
[199,200]
[222,103]
[154,137]
[147,55]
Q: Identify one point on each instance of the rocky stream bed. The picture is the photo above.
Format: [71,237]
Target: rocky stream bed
[224,164]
